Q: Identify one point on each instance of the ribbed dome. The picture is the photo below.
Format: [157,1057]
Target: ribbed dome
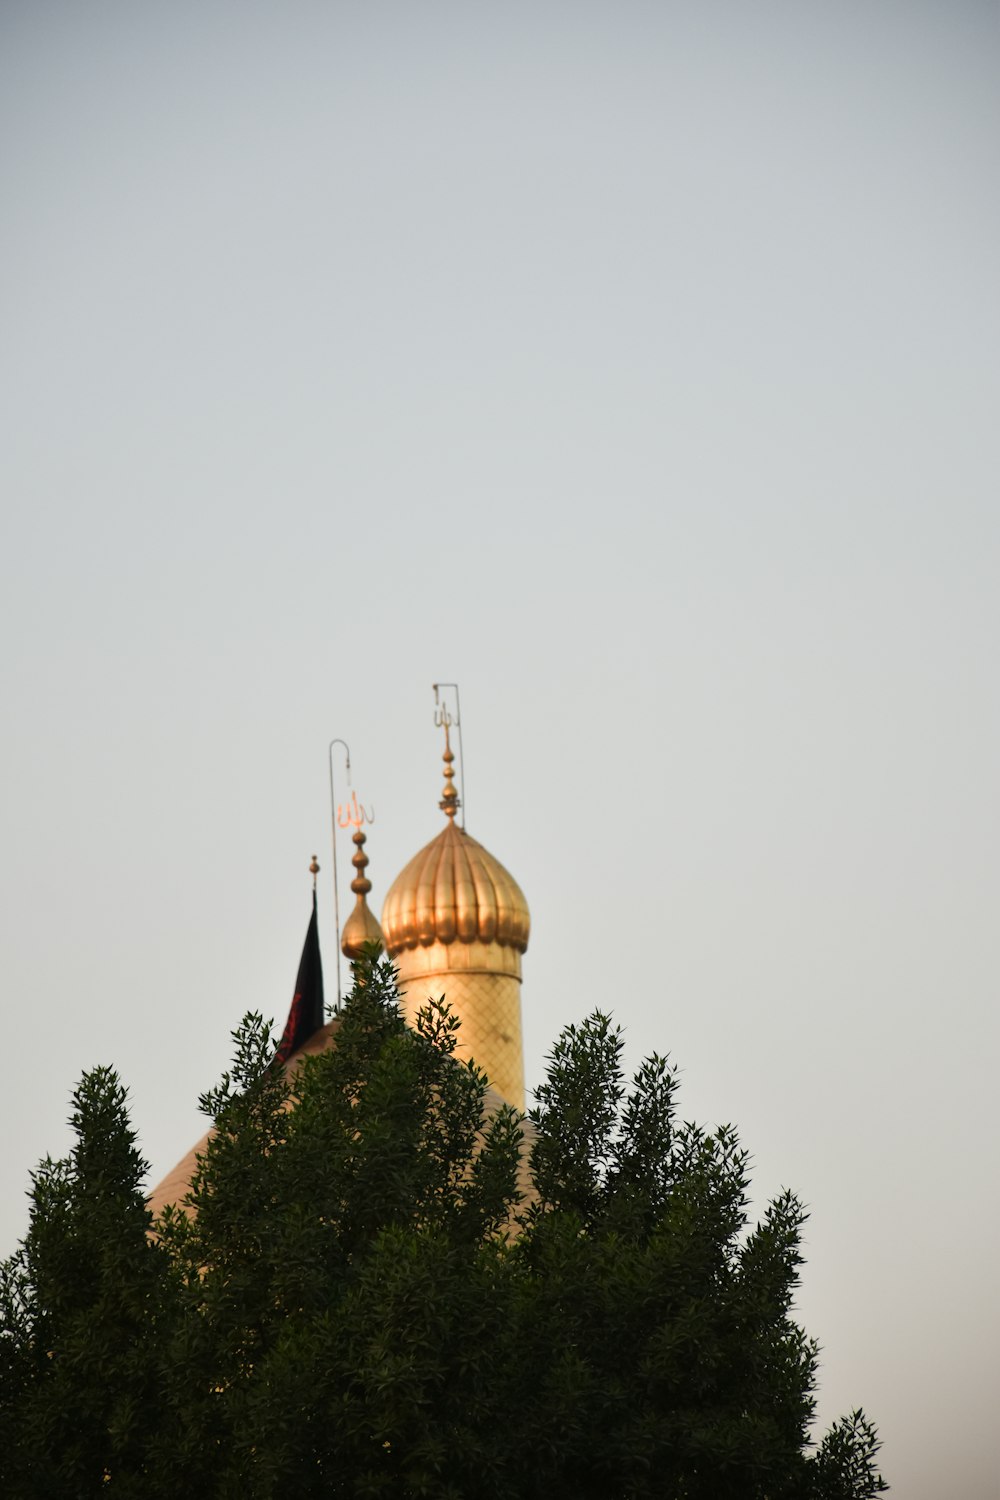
[454,891]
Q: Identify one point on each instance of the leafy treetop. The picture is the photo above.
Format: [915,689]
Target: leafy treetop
[355,1300]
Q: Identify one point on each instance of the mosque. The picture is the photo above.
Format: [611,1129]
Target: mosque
[456,923]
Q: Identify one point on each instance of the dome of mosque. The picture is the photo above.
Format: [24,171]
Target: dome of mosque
[454,891]
[457,923]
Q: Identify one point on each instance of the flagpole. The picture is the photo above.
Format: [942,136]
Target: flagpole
[305,1015]
[333,836]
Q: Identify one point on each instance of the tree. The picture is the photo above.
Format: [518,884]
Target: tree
[84,1307]
[356,1302]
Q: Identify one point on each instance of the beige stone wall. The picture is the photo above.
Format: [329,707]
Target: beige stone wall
[488,1005]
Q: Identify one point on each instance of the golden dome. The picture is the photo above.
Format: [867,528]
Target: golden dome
[454,891]
[360,929]
[456,923]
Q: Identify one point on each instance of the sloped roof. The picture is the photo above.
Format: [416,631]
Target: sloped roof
[173,1188]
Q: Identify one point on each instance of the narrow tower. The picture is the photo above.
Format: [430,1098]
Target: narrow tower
[456,923]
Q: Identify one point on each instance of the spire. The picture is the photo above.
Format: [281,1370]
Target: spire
[360,885]
[449,803]
[361,926]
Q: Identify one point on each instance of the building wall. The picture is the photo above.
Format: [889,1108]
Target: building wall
[487,1003]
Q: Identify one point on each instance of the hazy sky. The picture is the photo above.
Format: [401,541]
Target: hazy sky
[634,365]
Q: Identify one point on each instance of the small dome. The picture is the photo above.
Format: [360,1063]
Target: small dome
[360,929]
[454,891]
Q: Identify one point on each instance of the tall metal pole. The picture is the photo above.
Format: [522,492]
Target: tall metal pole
[333,836]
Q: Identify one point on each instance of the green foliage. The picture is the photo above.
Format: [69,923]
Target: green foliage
[85,1304]
[354,1301]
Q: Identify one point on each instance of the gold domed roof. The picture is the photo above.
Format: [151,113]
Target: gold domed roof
[454,891]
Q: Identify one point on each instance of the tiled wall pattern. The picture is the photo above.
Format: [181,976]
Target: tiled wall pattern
[489,1008]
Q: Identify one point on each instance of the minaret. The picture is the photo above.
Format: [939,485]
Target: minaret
[456,923]
[361,926]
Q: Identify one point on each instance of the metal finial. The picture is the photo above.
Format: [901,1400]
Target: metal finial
[360,885]
[361,927]
[449,803]
[352,814]
[443,717]
[314,870]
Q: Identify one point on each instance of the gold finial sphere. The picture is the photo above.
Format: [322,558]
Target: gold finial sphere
[360,885]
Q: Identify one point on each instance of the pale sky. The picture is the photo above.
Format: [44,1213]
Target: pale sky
[634,365]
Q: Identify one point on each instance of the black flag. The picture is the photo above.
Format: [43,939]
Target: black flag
[306,1014]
